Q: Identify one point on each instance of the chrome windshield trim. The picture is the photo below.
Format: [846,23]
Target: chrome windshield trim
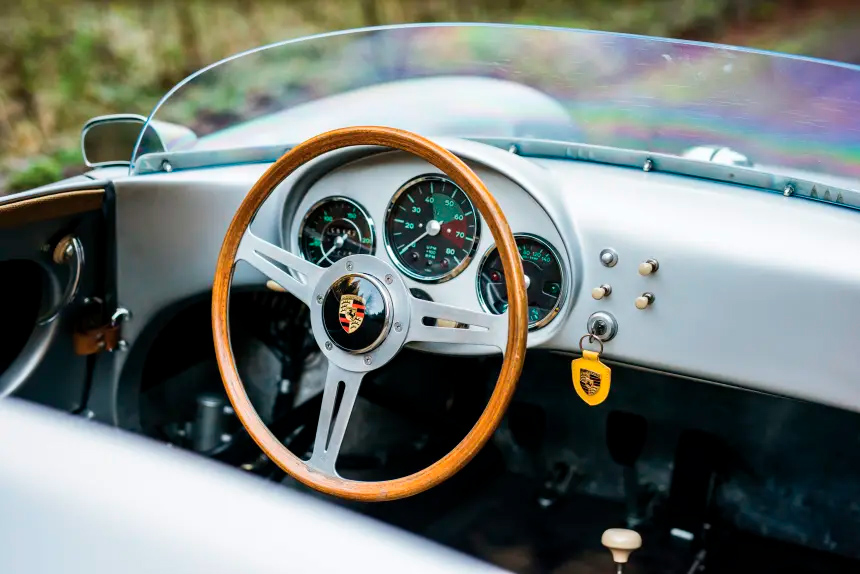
[675,165]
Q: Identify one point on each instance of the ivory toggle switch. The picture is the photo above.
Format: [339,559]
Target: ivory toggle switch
[601,292]
[648,267]
[644,300]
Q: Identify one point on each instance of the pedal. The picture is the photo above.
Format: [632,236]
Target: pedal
[698,460]
[556,484]
[625,438]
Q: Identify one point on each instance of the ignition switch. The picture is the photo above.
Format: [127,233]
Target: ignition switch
[602,325]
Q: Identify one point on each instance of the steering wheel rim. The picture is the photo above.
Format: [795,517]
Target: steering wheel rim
[240,244]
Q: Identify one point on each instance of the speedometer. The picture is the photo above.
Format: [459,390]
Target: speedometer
[544,276]
[334,228]
[431,229]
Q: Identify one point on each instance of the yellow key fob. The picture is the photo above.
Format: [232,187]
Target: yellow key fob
[591,378]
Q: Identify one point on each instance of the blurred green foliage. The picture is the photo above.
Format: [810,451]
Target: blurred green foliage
[64,61]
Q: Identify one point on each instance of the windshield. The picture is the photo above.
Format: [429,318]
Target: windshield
[785,114]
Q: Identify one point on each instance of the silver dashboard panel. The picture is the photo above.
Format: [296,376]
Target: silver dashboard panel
[754,289]
[372,182]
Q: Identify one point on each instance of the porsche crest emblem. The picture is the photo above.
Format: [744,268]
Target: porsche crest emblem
[351,313]
[589,381]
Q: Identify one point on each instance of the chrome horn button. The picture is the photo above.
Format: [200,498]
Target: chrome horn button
[382,330]
[356,313]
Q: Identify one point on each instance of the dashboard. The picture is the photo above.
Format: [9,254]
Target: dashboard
[429,230]
[701,279]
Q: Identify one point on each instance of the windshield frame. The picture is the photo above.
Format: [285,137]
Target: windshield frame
[846,194]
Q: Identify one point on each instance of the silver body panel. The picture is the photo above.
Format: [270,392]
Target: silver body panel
[754,289]
[122,503]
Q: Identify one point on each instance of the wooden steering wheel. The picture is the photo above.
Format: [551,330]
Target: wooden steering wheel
[391,318]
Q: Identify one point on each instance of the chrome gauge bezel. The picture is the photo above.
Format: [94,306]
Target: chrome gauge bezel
[562,296]
[392,254]
[330,199]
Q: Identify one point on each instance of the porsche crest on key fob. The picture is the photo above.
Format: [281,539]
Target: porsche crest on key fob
[591,378]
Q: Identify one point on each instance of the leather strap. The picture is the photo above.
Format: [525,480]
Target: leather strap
[96,340]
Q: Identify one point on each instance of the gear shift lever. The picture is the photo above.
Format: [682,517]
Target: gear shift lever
[621,542]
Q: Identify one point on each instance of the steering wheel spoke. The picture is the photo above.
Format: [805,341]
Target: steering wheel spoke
[277,264]
[439,323]
[339,394]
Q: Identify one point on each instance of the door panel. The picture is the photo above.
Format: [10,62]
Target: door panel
[38,361]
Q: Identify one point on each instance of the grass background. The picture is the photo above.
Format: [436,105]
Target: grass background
[64,61]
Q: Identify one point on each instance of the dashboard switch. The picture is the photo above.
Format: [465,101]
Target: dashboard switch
[644,301]
[608,257]
[648,267]
[601,292]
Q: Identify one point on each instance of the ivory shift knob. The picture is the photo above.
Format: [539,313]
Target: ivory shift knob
[621,542]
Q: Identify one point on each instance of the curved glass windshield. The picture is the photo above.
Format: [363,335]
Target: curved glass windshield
[793,115]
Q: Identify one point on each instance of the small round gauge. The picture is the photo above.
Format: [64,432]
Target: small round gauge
[431,229]
[334,228]
[545,283]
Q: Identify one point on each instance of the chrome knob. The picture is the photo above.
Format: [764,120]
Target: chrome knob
[648,267]
[608,257]
[644,300]
[601,292]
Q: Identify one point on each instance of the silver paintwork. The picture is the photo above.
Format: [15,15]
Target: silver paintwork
[180,513]
[727,252]
[808,185]
[559,302]
[325,200]
[395,258]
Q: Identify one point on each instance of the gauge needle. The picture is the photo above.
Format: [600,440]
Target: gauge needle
[433,228]
[338,243]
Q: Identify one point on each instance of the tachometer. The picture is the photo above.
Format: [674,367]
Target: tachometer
[334,228]
[431,229]
[544,276]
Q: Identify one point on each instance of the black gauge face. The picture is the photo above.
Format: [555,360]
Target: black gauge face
[431,229]
[544,280]
[334,228]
